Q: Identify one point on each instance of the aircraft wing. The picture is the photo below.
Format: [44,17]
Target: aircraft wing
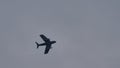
[44,37]
[47,50]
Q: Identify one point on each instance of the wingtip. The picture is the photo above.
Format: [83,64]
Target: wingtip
[41,35]
[45,53]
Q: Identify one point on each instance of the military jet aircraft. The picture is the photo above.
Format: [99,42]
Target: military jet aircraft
[46,43]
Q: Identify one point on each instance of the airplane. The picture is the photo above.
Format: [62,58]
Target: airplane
[46,43]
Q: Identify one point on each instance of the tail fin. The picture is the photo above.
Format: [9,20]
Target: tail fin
[37,44]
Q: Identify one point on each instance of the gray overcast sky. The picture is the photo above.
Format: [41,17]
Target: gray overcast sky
[87,33]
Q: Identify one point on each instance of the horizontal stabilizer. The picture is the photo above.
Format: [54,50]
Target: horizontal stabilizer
[37,44]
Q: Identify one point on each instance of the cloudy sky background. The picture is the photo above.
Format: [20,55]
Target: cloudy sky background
[87,33]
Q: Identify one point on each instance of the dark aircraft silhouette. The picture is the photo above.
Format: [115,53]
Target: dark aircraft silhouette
[46,43]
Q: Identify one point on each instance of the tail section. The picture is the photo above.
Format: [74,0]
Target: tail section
[43,44]
[37,44]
